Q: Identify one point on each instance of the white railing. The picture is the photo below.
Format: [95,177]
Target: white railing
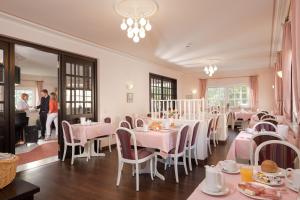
[185,109]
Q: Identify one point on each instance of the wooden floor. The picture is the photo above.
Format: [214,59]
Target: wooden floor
[96,179]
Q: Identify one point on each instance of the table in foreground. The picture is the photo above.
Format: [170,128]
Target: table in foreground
[19,190]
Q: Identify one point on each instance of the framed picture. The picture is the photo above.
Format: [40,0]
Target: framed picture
[129,97]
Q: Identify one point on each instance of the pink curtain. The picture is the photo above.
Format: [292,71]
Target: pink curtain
[39,87]
[278,86]
[254,92]
[295,29]
[287,69]
[202,87]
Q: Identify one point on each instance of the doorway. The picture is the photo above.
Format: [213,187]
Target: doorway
[76,79]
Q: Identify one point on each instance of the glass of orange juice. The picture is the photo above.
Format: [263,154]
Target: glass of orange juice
[246,173]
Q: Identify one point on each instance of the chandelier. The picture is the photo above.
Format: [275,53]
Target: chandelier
[136,15]
[210,70]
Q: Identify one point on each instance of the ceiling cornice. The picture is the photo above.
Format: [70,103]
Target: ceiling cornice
[281,10]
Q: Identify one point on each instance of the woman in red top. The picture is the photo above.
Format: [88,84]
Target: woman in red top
[52,115]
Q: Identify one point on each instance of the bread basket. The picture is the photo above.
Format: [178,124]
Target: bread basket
[8,166]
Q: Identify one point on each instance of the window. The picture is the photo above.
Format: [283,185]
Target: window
[234,95]
[162,88]
[29,91]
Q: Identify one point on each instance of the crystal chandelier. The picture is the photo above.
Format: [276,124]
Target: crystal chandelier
[210,70]
[136,15]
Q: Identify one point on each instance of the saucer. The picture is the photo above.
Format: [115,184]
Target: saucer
[237,171]
[220,193]
[291,187]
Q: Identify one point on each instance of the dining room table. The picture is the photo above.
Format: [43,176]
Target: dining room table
[87,132]
[232,181]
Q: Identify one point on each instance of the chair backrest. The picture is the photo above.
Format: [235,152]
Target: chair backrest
[264,111]
[260,115]
[216,123]
[129,119]
[124,137]
[272,121]
[139,122]
[107,120]
[181,140]
[267,126]
[268,116]
[124,124]
[283,153]
[67,132]
[209,127]
[194,133]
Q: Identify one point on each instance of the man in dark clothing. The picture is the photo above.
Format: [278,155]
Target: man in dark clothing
[44,109]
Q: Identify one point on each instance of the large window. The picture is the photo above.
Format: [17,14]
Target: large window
[162,88]
[235,96]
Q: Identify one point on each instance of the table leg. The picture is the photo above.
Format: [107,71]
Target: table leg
[92,150]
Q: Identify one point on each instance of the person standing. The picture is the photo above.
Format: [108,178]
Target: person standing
[44,109]
[52,115]
[22,104]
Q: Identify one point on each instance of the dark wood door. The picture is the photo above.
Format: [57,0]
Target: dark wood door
[5,88]
[78,90]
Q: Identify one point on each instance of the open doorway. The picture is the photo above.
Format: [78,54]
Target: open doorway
[36,115]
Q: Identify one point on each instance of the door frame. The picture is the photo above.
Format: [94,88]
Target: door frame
[11,57]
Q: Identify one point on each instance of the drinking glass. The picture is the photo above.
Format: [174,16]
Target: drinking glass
[246,173]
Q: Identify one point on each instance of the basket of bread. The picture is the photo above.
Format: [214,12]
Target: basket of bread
[8,166]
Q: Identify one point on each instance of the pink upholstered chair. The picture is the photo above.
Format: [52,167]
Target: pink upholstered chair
[192,144]
[179,150]
[131,156]
[209,133]
[273,121]
[264,126]
[69,141]
[106,120]
[260,138]
[283,153]
[260,115]
[139,122]
[124,124]
[215,129]
[129,119]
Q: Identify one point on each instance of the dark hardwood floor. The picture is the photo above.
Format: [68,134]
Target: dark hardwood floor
[96,179]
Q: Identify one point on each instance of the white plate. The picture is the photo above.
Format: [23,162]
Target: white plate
[269,184]
[237,171]
[281,173]
[254,197]
[291,187]
[221,193]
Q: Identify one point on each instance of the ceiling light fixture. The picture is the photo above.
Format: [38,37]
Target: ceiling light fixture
[136,15]
[279,73]
[210,70]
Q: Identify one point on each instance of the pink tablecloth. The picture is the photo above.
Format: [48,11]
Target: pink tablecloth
[232,182]
[85,132]
[243,115]
[162,140]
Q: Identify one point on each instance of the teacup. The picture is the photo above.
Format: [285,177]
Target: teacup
[229,165]
[294,181]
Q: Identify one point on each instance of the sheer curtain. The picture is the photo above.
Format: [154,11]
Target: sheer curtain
[202,87]
[287,69]
[254,92]
[295,29]
[278,85]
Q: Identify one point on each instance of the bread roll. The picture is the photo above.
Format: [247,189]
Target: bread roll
[269,166]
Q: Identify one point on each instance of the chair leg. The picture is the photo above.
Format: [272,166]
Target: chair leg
[155,165]
[98,145]
[120,166]
[137,177]
[214,135]
[133,170]
[208,144]
[166,163]
[176,169]
[196,156]
[73,154]
[109,142]
[65,152]
[190,159]
[151,168]
[184,164]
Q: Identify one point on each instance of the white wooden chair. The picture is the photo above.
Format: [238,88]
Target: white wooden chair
[192,144]
[130,120]
[139,122]
[209,133]
[127,155]
[179,150]
[257,139]
[215,129]
[69,141]
[283,153]
[264,126]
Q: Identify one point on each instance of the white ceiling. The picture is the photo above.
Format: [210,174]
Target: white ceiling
[235,32]
[35,62]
